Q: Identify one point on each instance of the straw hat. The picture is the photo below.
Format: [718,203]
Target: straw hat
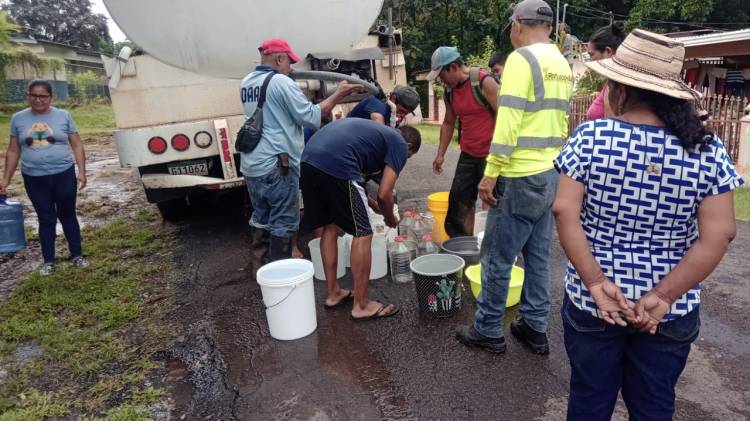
[648,61]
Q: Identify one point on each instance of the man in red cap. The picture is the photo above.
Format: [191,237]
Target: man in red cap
[272,169]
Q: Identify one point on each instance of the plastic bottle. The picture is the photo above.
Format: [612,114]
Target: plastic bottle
[405,223]
[418,228]
[400,256]
[12,234]
[426,246]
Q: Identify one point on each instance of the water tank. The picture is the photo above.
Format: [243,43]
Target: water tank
[220,37]
[12,234]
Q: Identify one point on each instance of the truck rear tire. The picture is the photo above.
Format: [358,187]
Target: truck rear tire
[172,209]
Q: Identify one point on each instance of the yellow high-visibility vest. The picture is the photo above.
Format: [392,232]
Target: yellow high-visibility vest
[532,117]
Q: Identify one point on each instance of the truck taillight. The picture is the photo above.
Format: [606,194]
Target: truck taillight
[203,139]
[180,142]
[157,145]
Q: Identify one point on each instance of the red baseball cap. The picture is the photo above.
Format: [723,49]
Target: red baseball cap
[278,45]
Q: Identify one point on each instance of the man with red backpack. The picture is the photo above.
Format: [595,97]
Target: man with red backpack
[471,97]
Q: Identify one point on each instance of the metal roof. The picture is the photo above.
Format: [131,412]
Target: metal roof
[715,38]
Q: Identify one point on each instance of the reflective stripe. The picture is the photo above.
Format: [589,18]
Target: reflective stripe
[523,104]
[540,142]
[548,104]
[515,102]
[536,73]
[499,149]
[528,142]
[540,102]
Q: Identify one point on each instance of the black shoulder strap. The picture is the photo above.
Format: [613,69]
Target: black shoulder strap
[263,88]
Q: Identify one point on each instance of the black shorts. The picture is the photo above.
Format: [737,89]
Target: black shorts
[330,200]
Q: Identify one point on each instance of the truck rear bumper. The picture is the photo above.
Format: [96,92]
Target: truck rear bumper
[168,181]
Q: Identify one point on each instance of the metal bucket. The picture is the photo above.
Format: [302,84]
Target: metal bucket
[438,279]
[466,248]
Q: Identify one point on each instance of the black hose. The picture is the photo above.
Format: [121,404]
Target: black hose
[333,77]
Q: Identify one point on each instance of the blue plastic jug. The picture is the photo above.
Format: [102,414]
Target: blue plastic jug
[12,235]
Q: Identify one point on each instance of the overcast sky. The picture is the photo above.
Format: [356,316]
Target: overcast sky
[97,6]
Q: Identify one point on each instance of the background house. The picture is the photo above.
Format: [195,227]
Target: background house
[72,59]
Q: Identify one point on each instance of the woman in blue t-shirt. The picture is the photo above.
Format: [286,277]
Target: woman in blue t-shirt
[41,138]
[645,213]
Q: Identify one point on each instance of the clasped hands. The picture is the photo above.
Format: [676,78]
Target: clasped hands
[644,314]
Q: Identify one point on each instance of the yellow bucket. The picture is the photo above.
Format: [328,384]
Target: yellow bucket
[474,273]
[437,203]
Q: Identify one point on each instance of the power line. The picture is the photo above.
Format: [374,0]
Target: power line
[606,14]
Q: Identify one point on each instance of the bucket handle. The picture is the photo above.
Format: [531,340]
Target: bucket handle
[282,300]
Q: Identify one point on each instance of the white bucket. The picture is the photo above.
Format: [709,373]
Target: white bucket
[348,250]
[317,259]
[289,298]
[480,221]
[379,267]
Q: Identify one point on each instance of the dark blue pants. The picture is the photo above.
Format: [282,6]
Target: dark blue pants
[54,197]
[605,359]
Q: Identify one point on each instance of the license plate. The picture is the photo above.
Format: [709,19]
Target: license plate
[189,168]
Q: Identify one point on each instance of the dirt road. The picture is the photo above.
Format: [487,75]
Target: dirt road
[225,365]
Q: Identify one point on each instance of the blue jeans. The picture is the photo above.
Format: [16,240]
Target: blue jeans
[275,200]
[54,197]
[605,359]
[520,223]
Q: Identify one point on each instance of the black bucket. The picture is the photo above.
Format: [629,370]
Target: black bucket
[438,279]
[466,248]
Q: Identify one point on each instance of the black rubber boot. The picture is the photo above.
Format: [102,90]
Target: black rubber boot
[536,341]
[469,336]
[280,248]
[259,237]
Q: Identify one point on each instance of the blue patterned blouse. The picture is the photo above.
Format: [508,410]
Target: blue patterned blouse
[642,192]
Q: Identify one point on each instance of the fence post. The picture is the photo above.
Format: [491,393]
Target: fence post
[743,157]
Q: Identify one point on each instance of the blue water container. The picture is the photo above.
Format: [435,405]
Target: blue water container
[12,235]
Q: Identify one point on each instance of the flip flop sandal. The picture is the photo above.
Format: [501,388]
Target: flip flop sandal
[346,298]
[379,314]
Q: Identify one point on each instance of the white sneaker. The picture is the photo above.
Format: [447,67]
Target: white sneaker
[80,262]
[46,269]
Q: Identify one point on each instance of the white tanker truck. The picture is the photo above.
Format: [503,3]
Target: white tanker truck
[177,108]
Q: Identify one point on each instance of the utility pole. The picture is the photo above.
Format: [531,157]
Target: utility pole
[390,45]
[557,23]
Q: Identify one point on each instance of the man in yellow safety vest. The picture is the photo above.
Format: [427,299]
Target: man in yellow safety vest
[531,127]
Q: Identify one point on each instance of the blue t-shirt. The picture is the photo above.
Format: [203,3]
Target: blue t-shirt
[45,149]
[353,148]
[285,113]
[371,105]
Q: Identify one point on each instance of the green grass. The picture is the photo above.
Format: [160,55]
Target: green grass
[92,119]
[742,203]
[431,135]
[85,320]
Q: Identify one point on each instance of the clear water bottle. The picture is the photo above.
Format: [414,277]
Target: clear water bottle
[426,246]
[400,256]
[419,228]
[405,223]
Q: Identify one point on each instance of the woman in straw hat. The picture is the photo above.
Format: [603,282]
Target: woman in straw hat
[645,213]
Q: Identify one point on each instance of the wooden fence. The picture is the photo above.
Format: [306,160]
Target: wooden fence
[725,113]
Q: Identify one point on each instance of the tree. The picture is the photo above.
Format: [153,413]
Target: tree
[65,21]
[85,85]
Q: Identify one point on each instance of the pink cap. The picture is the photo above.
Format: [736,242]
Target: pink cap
[427,237]
[278,45]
